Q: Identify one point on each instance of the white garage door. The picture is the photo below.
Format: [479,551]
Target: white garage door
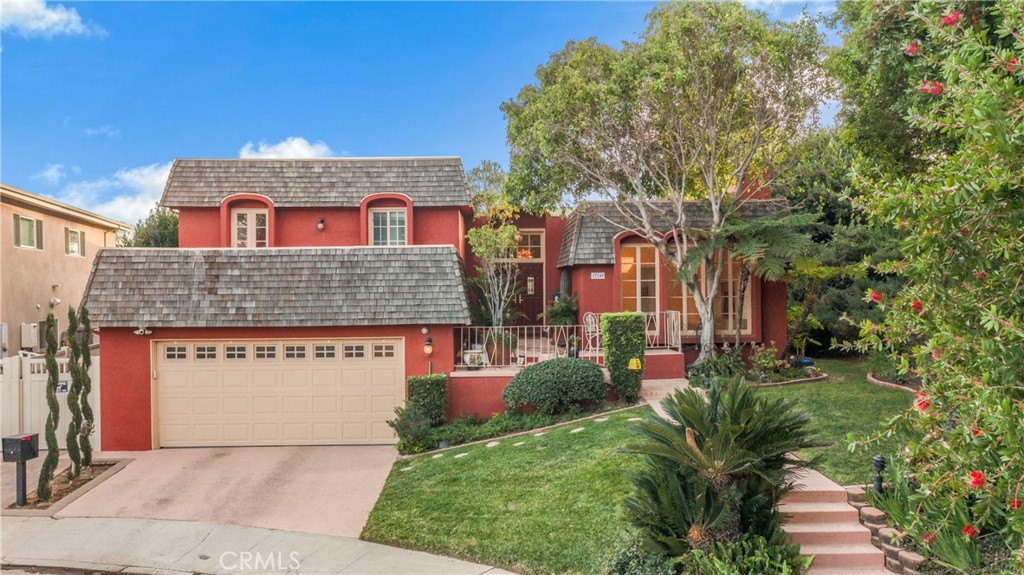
[326,392]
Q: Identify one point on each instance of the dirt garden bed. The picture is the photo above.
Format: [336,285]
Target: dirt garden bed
[63,491]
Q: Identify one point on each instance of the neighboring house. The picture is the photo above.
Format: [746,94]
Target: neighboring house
[46,252]
[305,292]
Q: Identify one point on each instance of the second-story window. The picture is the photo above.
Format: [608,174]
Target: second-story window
[74,242]
[28,232]
[249,228]
[387,227]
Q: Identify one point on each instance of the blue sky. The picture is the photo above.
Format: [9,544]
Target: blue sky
[99,97]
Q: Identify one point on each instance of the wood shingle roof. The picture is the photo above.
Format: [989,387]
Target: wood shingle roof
[357,286]
[322,182]
[589,236]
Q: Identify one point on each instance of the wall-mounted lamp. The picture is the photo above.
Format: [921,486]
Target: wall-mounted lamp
[320,225]
[424,330]
[428,346]
[142,331]
[54,302]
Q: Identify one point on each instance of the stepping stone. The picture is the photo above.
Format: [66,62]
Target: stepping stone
[518,444]
[601,419]
[494,444]
[406,468]
[461,455]
[437,456]
[634,419]
[539,434]
[577,430]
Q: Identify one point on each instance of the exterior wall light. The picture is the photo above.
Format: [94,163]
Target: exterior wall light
[320,225]
[428,346]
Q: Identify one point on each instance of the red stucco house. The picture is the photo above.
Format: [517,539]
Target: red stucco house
[304,292]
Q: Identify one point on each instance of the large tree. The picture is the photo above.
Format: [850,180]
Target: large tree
[962,199]
[159,229]
[494,243]
[699,108]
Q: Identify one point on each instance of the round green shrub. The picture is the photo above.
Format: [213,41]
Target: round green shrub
[556,385]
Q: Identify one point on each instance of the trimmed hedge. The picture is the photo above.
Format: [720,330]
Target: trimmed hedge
[556,385]
[429,393]
[625,337]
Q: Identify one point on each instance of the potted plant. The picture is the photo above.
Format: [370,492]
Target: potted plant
[562,312]
[501,345]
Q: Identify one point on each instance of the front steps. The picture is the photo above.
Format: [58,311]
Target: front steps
[820,520]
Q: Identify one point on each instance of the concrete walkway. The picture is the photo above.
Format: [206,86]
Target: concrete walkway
[164,547]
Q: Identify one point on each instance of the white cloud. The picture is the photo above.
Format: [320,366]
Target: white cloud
[104,130]
[35,18]
[52,174]
[293,147]
[127,195]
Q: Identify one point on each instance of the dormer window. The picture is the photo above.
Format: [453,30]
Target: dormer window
[249,228]
[387,227]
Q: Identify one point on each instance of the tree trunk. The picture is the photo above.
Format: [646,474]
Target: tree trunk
[707,338]
[744,282]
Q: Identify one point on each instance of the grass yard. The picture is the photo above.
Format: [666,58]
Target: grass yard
[843,404]
[550,505]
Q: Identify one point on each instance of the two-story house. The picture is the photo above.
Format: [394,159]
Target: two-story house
[46,253]
[304,292]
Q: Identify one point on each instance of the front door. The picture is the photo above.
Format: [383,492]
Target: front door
[529,298]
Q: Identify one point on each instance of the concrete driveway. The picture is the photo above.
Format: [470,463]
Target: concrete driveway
[326,490]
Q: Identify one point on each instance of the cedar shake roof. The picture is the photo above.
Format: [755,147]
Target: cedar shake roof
[589,237]
[277,287]
[323,182]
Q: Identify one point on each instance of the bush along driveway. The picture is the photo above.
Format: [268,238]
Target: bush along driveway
[532,504]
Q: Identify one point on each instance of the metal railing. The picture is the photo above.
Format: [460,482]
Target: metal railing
[517,346]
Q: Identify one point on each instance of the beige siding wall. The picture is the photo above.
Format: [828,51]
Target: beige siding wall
[27,275]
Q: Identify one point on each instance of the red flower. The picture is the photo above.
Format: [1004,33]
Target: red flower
[975,432]
[952,18]
[922,403]
[1014,504]
[964,231]
[876,296]
[981,275]
[929,538]
[912,49]
[977,478]
[916,306]
[1011,65]
[934,88]
[970,531]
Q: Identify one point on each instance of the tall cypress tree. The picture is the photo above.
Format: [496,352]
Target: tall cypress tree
[74,388]
[89,422]
[52,449]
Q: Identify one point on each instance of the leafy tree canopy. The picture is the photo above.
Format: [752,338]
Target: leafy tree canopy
[157,230]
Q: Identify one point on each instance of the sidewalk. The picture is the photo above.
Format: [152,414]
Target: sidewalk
[158,547]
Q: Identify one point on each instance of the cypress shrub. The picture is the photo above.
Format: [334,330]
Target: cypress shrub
[74,388]
[625,337]
[429,393]
[89,422]
[52,448]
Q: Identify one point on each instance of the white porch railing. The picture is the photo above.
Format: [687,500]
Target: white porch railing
[517,346]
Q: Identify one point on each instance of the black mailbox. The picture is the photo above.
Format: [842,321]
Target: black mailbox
[21,447]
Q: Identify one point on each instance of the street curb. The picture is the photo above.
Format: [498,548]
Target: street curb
[50,511]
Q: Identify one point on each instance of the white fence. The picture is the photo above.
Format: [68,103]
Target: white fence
[23,396]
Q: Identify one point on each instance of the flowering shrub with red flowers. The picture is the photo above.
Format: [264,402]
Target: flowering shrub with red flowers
[963,196]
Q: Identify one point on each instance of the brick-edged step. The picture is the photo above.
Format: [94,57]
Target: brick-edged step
[818,495]
[827,533]
[856,555]
[829,512]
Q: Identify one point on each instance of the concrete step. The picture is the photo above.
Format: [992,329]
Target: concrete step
[827,533]
[856,555]
[830,512]
[817,495]
[849,571]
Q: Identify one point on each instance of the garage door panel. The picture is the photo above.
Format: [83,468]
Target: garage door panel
[296,392]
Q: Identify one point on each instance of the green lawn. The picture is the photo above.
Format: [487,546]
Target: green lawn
[551,505]
[843,404]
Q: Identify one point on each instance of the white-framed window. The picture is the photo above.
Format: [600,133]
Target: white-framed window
[325,351]
[206,352]
[266,352]
[383,350]
[295,352]
[249,228]
[175,352]
[74,242]
[726,304]
[388,227]
[235,351]
[530,246]
[28,232]
[355,351]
